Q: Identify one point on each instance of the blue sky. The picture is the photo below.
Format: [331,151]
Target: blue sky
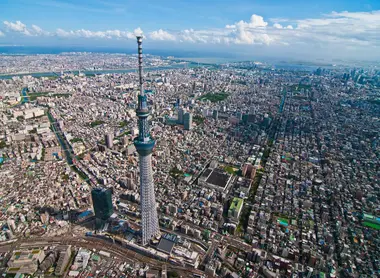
[344,29]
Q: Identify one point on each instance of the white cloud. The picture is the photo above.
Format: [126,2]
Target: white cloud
[162,35]
[17,26]
[279,26]
[336,30]
[1,34]
[109,34]
[114,33]
[62,33]
[256,21]
[245,36]
[253,32]
[343,27]
[200,36]
[137,32]
[37,29]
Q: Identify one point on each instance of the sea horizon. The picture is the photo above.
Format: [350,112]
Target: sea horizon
[195,56]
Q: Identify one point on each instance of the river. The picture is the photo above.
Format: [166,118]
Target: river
[50,74]
[25,97]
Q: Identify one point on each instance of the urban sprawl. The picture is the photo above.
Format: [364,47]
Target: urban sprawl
[258,171]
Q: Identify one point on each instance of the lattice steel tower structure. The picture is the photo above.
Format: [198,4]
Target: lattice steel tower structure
[144,144]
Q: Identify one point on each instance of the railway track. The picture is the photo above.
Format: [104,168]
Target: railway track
[99,244]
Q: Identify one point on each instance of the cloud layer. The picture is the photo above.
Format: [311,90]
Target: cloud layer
[34,30]
[162,35]
[345,29]
[17,26]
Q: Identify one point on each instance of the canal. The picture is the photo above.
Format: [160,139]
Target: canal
[24,97]
[66,147]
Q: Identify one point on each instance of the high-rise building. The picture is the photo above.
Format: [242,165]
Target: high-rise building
[180,116]
[239,115]
[102,203]
[188,120]
[215,114]
[144,144]
[179,102]
[124,141]
[235,208]
[61,124]
[108,138]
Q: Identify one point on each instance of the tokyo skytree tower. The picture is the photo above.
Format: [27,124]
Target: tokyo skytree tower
[144,144]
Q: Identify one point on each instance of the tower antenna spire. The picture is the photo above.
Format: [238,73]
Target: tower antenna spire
[141,81]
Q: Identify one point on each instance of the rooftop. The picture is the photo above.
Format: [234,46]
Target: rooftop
[244,182]
[218,177]
[206,173]
[165,245]
[236,204]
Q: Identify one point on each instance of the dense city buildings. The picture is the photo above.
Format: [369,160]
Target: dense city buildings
[258,171]
[46,64]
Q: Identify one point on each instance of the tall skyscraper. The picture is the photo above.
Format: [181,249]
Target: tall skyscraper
[239,115]
[109,140]
[124,141]
[144,144]
[180,116]
[215,114]
[179,102]
[102,203]
[188,121]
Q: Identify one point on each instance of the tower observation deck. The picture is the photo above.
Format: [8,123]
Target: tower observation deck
[144,144]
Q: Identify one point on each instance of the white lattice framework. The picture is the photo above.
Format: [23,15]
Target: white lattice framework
[149,219]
